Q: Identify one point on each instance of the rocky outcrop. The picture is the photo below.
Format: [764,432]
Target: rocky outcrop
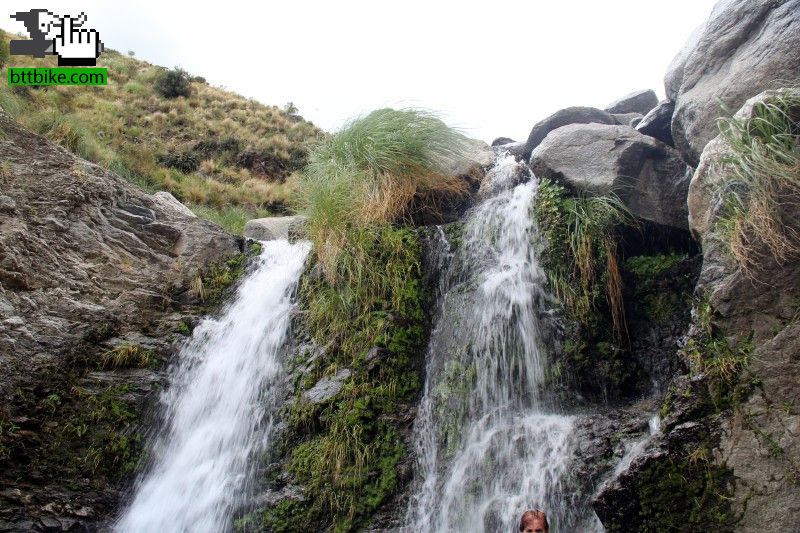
[95,280]
[729,440]
[169,204]
[636,102]
[758,440]
[658,123]
[744,48]
[647,175]
[570,115]
[271,228]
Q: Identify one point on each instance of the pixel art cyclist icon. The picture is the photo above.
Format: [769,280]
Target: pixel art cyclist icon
[63,36]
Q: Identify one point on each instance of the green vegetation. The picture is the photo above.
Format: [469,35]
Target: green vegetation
[582,259]
[762,182]
[225,156]
[692,494]
[96,432]
[368,174]
[658,301]
[127,356]
[363,301]
[709,353]
[212,285]
[348,456]
[169,84]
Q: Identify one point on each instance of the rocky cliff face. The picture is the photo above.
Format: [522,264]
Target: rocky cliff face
[727,455]
[95,280]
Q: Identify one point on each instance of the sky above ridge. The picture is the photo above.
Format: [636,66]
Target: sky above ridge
[489,70]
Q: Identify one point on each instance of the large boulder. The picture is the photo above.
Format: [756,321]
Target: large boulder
[570,115]
[745,46]
[89,263]
[272,228]
[647,175]
[658,122]
[759,441]
[636,102]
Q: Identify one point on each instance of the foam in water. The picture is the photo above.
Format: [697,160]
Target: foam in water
[487,448]
[219,405]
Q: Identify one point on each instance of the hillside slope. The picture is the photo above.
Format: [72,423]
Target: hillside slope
[225,156]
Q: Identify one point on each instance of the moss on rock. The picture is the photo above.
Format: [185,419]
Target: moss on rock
[346,451]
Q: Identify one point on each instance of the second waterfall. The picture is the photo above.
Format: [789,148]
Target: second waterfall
[489,444]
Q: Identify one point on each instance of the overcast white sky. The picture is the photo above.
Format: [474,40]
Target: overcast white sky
[490,70]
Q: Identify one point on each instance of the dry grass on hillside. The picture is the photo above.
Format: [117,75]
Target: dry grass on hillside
[226,156]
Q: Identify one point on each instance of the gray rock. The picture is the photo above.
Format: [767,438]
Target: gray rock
[85,256]
[628,119]
[479,154]
[516,149]
[658,123]
[636,102]
[7,205]
[570,115]
[647,175]
[745,46]
[50,524]
[168,203]
[755,440]
[674,76]
[271,228]
[327,388]
[502,140]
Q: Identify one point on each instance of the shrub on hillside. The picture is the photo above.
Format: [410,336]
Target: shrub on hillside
[183,161]
[173,83]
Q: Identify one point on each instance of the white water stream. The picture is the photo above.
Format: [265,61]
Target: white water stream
[488,445]
[219,405]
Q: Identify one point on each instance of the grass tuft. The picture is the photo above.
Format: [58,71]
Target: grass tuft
[763,185]
[582,250]
[369,172]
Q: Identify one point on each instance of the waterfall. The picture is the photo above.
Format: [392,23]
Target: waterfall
[488,444]
[218,407]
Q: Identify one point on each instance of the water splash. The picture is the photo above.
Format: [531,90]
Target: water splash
[219,405]
[487,447]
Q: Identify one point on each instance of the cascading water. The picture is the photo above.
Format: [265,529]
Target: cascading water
[487,447]
[219,403]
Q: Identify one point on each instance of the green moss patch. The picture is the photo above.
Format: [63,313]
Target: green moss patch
[345,452]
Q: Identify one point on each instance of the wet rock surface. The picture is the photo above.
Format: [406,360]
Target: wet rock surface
[94,298]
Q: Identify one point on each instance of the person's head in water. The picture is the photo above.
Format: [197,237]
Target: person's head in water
[534,522]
